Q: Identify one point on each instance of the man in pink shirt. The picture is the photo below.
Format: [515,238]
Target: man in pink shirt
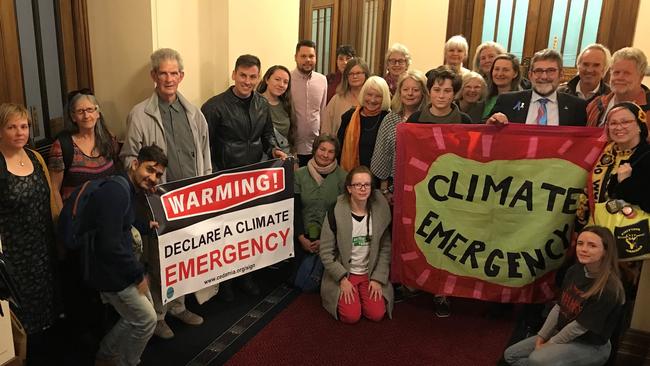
[308,98]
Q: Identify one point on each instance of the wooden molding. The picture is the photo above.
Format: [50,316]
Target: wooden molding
[11,88]
[633,348]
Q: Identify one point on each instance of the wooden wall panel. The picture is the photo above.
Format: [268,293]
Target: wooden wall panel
[11,77]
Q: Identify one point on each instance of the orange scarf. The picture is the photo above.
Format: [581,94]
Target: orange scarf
[350,151]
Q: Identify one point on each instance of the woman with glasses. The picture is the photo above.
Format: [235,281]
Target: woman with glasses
[505,76]
[27,208]
[622,172]
[355,74]
[83,152]
[398,61]
[86,150]
[355,249]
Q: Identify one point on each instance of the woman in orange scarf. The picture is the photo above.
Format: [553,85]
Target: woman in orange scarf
[359,126]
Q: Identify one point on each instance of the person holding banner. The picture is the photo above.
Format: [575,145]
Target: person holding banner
[316,187]
[241,133]
[168,120]
[579,326]
[356,252]
[542,105]
[443,83]
[114,269]
[411,96]
[359,126]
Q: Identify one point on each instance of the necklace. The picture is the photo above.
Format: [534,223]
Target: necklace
[21,162]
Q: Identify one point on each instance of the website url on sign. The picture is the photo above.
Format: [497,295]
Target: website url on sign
[239,270]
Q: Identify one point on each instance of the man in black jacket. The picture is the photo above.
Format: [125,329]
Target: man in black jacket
[241,133]
[115,271]
[542,105]
[239,120]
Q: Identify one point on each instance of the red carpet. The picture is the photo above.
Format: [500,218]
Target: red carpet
[304,333]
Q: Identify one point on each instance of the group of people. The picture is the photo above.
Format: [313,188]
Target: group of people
[341,128]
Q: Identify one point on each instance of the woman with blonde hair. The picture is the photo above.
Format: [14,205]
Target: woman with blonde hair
[456,51]
[471,97]
[411,96]
[27,211]
[484,57]
[359,126]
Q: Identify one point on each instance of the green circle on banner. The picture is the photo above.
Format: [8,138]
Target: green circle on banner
[507,222]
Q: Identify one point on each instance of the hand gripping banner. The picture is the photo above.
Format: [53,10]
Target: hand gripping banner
[487,212]
[220,226]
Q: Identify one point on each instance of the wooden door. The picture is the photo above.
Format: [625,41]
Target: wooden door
[11,86]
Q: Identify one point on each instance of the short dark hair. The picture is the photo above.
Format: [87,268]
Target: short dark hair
[325,137]
[442,73]
[248,61]
[347,50]
[306,43]
[152,153]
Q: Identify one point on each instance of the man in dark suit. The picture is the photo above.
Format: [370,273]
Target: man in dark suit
[542,105]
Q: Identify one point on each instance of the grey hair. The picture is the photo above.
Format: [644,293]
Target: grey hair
[603,49]
[164,54]
[632,54]
[457,41]
[103,138]
[477,55]
[400,48]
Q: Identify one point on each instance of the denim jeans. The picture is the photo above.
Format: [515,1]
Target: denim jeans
[573,353]
[126,341]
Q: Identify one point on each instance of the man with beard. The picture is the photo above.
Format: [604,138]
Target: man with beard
[542,105]
[308,99]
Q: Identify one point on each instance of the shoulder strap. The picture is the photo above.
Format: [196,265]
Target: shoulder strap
[67,149]
[127,188]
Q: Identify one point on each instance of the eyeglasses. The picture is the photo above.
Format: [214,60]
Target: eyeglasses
[622,124]
[89,110]
[361,185]
[392,61]
[550,71]
[356,74]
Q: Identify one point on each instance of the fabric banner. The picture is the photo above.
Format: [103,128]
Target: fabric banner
[487,212]
[221,226]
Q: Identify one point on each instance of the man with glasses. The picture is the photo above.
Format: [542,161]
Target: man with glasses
[542,105]
[170,121]
[629,66]
[308,99]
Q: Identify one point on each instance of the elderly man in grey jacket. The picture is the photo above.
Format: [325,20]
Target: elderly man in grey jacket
[170,121]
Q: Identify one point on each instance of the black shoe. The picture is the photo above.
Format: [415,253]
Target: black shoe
[441,306]
[225,291]
[248,286]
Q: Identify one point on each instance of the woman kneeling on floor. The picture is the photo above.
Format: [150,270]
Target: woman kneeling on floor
[355,250]
[578,328]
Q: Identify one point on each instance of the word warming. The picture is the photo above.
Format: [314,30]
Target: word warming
[222,192]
